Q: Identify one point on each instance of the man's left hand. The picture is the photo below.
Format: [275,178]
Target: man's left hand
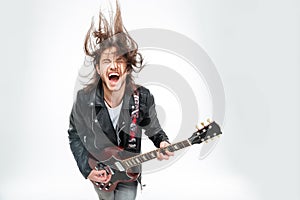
[167,154]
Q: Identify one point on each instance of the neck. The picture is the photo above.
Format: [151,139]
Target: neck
[136,160]
[113,98]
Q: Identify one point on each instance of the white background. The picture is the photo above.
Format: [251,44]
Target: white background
[255,47]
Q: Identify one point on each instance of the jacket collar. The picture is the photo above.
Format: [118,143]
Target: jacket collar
[97,95]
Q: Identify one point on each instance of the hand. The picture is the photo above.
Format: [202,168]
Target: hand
[161,156]
[100,176]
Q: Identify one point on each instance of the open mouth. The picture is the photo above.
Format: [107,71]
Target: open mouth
[113,76]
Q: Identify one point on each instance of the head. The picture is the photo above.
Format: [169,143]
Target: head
[112,69]
[114,53]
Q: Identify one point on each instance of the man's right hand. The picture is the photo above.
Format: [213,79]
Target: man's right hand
[100,176]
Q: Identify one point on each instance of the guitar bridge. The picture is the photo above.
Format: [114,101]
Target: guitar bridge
[101,166]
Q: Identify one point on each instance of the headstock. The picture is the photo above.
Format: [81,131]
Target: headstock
[207,132]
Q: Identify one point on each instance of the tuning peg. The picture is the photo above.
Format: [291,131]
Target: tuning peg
[202,123]
[197,127]
[208,120]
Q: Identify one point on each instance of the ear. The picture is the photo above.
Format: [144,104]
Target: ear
[128,70]
[98,69]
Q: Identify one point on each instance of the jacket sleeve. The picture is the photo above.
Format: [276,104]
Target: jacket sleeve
[153,129]
[78,149]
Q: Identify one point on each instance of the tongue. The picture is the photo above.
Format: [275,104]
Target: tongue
[114,78]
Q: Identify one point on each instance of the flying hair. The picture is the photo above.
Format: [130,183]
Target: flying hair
[111,33]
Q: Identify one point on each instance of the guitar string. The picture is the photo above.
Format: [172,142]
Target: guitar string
[129,162]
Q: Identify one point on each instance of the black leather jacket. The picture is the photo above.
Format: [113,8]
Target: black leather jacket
[91,129]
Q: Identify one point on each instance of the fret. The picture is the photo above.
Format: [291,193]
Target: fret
[183,144]
[137,160]
[175,147]
[144,157]
[133,163]
[141,159]
[180,145]
[148,156]
[168,148]
[130,162]
[186,143]
[125,163]
[153,154]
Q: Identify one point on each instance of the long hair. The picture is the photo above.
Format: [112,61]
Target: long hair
[108,34]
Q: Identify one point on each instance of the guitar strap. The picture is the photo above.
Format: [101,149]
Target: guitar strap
[132,141]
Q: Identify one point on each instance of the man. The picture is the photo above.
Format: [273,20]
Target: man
[111,111]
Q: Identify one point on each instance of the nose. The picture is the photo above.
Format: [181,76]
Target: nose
[113,65]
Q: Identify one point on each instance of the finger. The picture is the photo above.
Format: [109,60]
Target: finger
[97,179]
[169,153]
[164,144]
[101,179]
[159,156]
[103,173]
[164,157]
[100,176]
[107,179]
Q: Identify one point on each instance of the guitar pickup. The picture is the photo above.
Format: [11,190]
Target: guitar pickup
[119,166]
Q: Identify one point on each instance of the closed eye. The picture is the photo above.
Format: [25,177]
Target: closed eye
[120,60]
[106,61]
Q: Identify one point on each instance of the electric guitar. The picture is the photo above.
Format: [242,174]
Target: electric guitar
[121,170]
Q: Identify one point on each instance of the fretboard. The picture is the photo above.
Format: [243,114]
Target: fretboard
[136,160]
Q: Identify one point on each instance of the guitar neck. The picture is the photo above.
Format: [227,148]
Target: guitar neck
[136,160]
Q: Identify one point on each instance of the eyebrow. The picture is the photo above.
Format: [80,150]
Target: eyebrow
[105,59]
[120,58]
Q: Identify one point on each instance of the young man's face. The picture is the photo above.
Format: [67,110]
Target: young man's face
[112,69]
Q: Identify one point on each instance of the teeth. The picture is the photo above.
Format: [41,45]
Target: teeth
[113,74]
